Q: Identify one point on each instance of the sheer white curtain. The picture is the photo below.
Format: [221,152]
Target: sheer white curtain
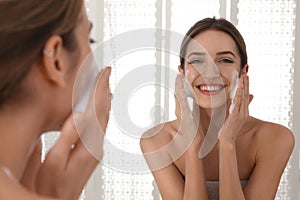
[113,179]
[272,38]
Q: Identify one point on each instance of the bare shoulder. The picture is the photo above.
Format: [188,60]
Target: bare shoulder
[157,137]
[272,137]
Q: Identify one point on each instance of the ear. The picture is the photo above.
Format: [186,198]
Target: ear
[53,61]
[181,71]
[245,69]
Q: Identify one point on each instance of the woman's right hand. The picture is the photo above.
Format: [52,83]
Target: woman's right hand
[189,119]
[189,128]
[69,163]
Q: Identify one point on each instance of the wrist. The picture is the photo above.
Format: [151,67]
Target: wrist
[192,159]
[192,152]
[195,143]
[191,155]
[225,144]
[227,139]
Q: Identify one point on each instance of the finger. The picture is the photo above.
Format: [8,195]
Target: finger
[242,107]
[182,98]
[177,107]
[100,91]
[179,88]
[196,111]
[102,100]
[247,95]
[79,155]
[91,137]
[237,98]
[247,88]
[83,162]
[61,150]
[104,77]
[103,82]
[245,100]
[32,168]
[251,96]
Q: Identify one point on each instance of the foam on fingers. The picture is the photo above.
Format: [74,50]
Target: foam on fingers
[234,87]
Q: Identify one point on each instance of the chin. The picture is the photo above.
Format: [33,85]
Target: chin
[210,102]
[213,105]
[217,103]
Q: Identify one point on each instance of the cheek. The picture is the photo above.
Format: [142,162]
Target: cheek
[82,54]
[192,73]
[74,63]
[228,71]
[227,74]
[85,50]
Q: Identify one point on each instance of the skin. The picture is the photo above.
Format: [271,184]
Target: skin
[38,112]
[245,148]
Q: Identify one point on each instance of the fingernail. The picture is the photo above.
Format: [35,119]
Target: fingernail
[108,70]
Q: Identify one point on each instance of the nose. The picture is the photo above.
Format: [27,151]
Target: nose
[210,70]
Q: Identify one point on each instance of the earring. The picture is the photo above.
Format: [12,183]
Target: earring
[48,53]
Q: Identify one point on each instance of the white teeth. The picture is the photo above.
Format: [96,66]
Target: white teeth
[211,88]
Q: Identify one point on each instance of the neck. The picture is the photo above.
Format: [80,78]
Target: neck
[20,129]
[212,119]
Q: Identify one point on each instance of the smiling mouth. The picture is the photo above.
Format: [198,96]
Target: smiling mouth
[210,89]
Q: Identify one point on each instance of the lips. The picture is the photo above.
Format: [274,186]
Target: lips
[211,89]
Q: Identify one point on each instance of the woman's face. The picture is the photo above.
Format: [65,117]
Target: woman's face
[211,59]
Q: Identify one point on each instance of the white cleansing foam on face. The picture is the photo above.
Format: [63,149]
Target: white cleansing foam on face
[234,82]
[85,84]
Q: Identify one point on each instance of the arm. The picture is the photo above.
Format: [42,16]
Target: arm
[166,147]
[230,187]
[195,183]
[167,176]
[169,179]
[275,145]
[273,154]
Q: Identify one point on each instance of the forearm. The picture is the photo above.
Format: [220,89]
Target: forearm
[195,185]
[230,186]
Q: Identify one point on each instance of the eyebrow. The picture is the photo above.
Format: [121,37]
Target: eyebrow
[197,54]
[203,53]
[226,52]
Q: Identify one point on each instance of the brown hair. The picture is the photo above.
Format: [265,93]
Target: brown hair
[219,25]
[25,27]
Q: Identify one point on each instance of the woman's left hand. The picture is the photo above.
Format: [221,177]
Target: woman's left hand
[240,113]
[70,162]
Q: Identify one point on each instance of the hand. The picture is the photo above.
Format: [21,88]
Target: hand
[188,119]
[240,114]
[69,164]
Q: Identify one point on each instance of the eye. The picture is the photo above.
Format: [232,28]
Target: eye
[226,60]
[196,61]
[92,41]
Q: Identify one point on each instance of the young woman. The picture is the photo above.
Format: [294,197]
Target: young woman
[249,156]
[43,44]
